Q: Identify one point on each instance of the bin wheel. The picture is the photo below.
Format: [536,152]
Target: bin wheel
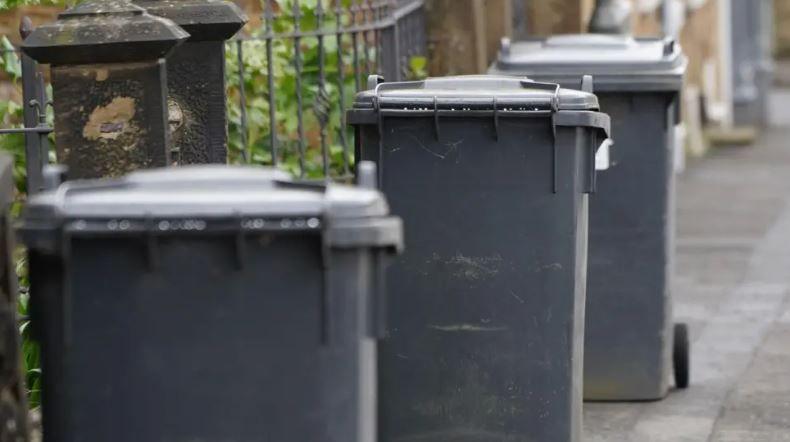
[680,356]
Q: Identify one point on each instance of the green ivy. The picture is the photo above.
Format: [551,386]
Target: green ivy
[30,349]
[255,86]
[11,113]
[256,89]
[11,116]
[11,4]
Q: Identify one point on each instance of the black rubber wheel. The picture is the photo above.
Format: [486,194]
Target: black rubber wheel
[680,355]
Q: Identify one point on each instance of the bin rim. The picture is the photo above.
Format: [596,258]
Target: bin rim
[502,96]
[209,200]
[617,63]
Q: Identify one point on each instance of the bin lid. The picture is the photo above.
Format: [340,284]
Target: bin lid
[616,62]
[212,198]
[473,93]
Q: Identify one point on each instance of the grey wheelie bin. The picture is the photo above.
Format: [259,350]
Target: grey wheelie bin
[486,307]
[631,345]
[208,303]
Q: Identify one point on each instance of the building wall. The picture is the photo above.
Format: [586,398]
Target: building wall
[9,19]
[782,27]
[464,35]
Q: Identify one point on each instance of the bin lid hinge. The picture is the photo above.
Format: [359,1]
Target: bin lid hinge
[151,244]
[66,300]
[436,117]
[496,119]
[240,243]
[554,160]
[380,127]
[555,107]
[592,169]
[379,314]
[325,307]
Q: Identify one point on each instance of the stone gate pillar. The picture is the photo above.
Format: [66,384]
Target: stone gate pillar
[109,86]
[196,76]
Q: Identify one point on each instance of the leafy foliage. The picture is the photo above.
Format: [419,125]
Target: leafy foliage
[30,349]
[11,4]
[11,113]
[11,116]
[339,71]
[342,71]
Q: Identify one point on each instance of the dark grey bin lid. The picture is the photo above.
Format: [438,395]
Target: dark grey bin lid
[211,199]
[486,96]
[616,62]
[470,93]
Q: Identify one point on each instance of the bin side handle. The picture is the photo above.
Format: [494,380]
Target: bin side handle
[603,160]
[592,119]
[597,121]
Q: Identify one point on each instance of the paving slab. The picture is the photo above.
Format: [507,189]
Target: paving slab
[732,285]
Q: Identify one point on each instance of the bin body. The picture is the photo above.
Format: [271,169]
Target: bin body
[628,341]
[485,312]
[215,306]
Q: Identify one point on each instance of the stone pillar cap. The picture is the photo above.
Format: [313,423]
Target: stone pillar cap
[103,31]
[203,19]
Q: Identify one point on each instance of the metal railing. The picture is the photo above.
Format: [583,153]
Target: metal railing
[35,128]
[289,82]
[324,51]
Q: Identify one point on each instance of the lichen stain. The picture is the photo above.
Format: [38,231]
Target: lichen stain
[111,121]
[102,74]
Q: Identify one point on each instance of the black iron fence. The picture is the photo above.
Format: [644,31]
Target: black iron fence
[316,54]
[35,102]
[289,82]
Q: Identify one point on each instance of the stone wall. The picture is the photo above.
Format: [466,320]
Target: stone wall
[782,27]
[464,35]
[548,17]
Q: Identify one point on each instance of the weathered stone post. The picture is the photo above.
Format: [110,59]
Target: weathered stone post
[109,86]
[196,76]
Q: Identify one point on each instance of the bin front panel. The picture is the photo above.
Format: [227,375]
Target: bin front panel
[485,310]
[198,349]
[628,337]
